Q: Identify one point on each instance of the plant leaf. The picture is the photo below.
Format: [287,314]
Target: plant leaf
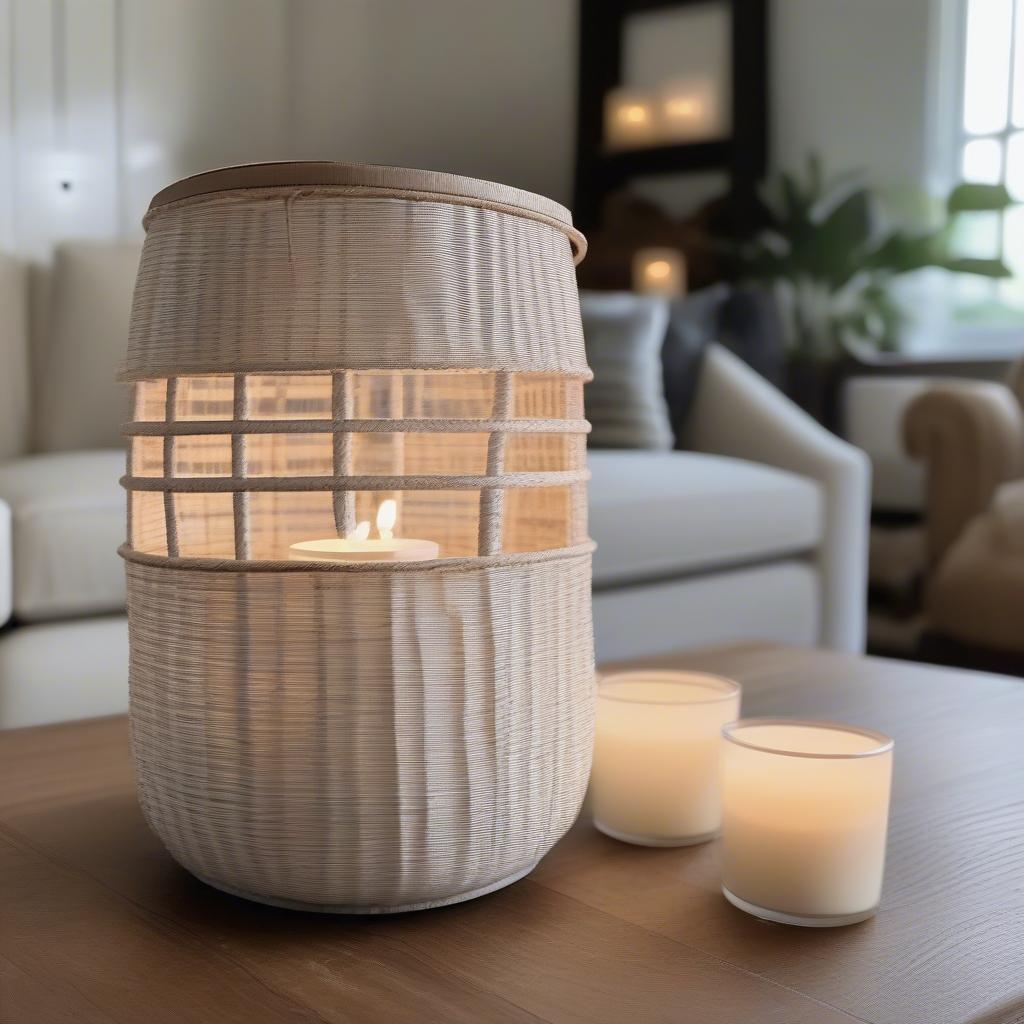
[983,268]
[972,197]
[901,253]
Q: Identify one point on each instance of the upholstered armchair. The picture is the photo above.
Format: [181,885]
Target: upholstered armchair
[970,435]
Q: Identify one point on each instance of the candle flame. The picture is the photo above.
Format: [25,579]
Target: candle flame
[634,114]
[361,532]
[386,516]
[658,269]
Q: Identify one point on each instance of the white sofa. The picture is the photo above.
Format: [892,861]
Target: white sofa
[759,532]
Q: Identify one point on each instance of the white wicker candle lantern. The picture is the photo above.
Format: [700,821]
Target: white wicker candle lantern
[314,347]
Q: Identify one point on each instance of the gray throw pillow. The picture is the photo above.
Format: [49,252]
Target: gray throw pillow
[692,326]
[625,402]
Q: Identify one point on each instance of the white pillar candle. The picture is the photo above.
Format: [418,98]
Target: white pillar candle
[656,756]
[687,110]
[358,546]
[628,119]
[805,810]
[658,271]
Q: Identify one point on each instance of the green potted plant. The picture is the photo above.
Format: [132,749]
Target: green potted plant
[829,256]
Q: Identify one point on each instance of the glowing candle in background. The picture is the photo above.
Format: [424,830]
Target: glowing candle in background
[805,813]
[629,120]
[659,271]
[687,110]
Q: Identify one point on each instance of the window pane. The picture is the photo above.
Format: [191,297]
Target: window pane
[987,65]
[983,161]
[1013,240]
[1015,165]
[976,235]
[1018,67]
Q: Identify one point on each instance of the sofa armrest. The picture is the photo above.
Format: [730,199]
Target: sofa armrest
[970,436]
[6,564]
[739,414]
[15,389]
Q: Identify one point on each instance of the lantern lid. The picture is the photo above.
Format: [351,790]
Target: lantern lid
[405,182]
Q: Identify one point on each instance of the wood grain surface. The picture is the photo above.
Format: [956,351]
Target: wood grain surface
[97,924]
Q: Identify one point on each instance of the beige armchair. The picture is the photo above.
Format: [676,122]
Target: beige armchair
[970,436]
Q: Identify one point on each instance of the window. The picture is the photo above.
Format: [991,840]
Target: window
[991,136]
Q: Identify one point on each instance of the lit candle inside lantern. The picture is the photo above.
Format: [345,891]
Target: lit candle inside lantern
[628,119]
[659,272]
[805,811]
[359,547]
[656,756]
[687,110]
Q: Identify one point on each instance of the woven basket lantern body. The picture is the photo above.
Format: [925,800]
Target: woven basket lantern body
[308,341]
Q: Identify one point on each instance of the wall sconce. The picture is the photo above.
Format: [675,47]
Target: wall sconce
[629,119]
[659,272]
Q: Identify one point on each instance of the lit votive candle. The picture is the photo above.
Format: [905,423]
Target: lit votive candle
[628,119]
[656,756]
[687,111]
[805,811]
[658,271]
[358,546]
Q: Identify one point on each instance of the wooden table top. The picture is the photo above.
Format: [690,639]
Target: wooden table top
[97,924]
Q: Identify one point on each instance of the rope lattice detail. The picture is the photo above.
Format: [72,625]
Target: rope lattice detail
[253,439]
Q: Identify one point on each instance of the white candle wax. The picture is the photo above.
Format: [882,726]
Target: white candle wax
[342,549]
[656,756]
[805,811]
[358,547]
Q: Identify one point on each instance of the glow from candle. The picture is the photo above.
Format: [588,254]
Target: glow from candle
[387,514]
[361,532]
[682,107]
[634,114]
[659,271]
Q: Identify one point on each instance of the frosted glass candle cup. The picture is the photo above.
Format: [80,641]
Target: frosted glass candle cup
[655,779]
[805,812]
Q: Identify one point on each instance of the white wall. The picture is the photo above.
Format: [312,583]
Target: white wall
[479,87]
[488,87]
[102,102]
[119,97]
[203,84]
[849,81]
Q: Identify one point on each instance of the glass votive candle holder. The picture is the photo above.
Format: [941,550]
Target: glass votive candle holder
[655,779]
[805,808]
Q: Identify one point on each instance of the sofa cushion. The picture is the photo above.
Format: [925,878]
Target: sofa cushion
[79,403]
[67,520]
[692,325]
[657,515]
[625,401]
[742,319]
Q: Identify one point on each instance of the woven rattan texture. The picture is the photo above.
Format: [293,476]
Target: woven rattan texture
[362,741]
[361,737]
[291,280]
